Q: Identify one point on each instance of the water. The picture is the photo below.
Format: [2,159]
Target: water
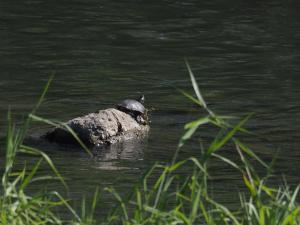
[245,56]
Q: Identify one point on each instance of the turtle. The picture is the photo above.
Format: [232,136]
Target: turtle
[135,108]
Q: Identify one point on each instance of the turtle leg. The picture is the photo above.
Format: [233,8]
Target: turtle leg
[146,117]
[141,120]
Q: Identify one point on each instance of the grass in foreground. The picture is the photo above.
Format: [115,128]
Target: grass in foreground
[167,198]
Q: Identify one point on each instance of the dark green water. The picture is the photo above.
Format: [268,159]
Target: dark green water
[245,55]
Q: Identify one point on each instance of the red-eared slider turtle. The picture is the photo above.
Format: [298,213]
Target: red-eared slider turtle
[135,108]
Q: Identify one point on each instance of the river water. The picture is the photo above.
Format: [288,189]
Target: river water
[245,56]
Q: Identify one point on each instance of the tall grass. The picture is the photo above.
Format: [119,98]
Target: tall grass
[162,195]
[16,206]
[176,199]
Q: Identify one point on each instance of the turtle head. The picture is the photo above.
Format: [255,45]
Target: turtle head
[142,99]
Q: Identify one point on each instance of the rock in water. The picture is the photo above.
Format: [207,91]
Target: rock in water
[104,127]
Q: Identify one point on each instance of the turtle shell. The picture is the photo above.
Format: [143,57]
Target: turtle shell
[132,106]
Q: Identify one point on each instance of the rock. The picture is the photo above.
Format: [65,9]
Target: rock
[104,127]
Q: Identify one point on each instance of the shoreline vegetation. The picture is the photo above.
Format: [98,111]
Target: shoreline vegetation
[170,198]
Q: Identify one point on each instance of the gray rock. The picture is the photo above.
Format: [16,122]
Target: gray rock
[104,127]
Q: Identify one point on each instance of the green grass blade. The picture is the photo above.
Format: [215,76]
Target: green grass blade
[30,175]
[197,122]
[187,135]
[64,125]
[218,143]
[42,97]
[190,97]
[68,206]
[228,161]
[195,85]
[31,150]
[36,107]
[249,152]
[119,199]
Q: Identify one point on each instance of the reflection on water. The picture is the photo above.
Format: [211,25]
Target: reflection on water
[129,150]
[245,56]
